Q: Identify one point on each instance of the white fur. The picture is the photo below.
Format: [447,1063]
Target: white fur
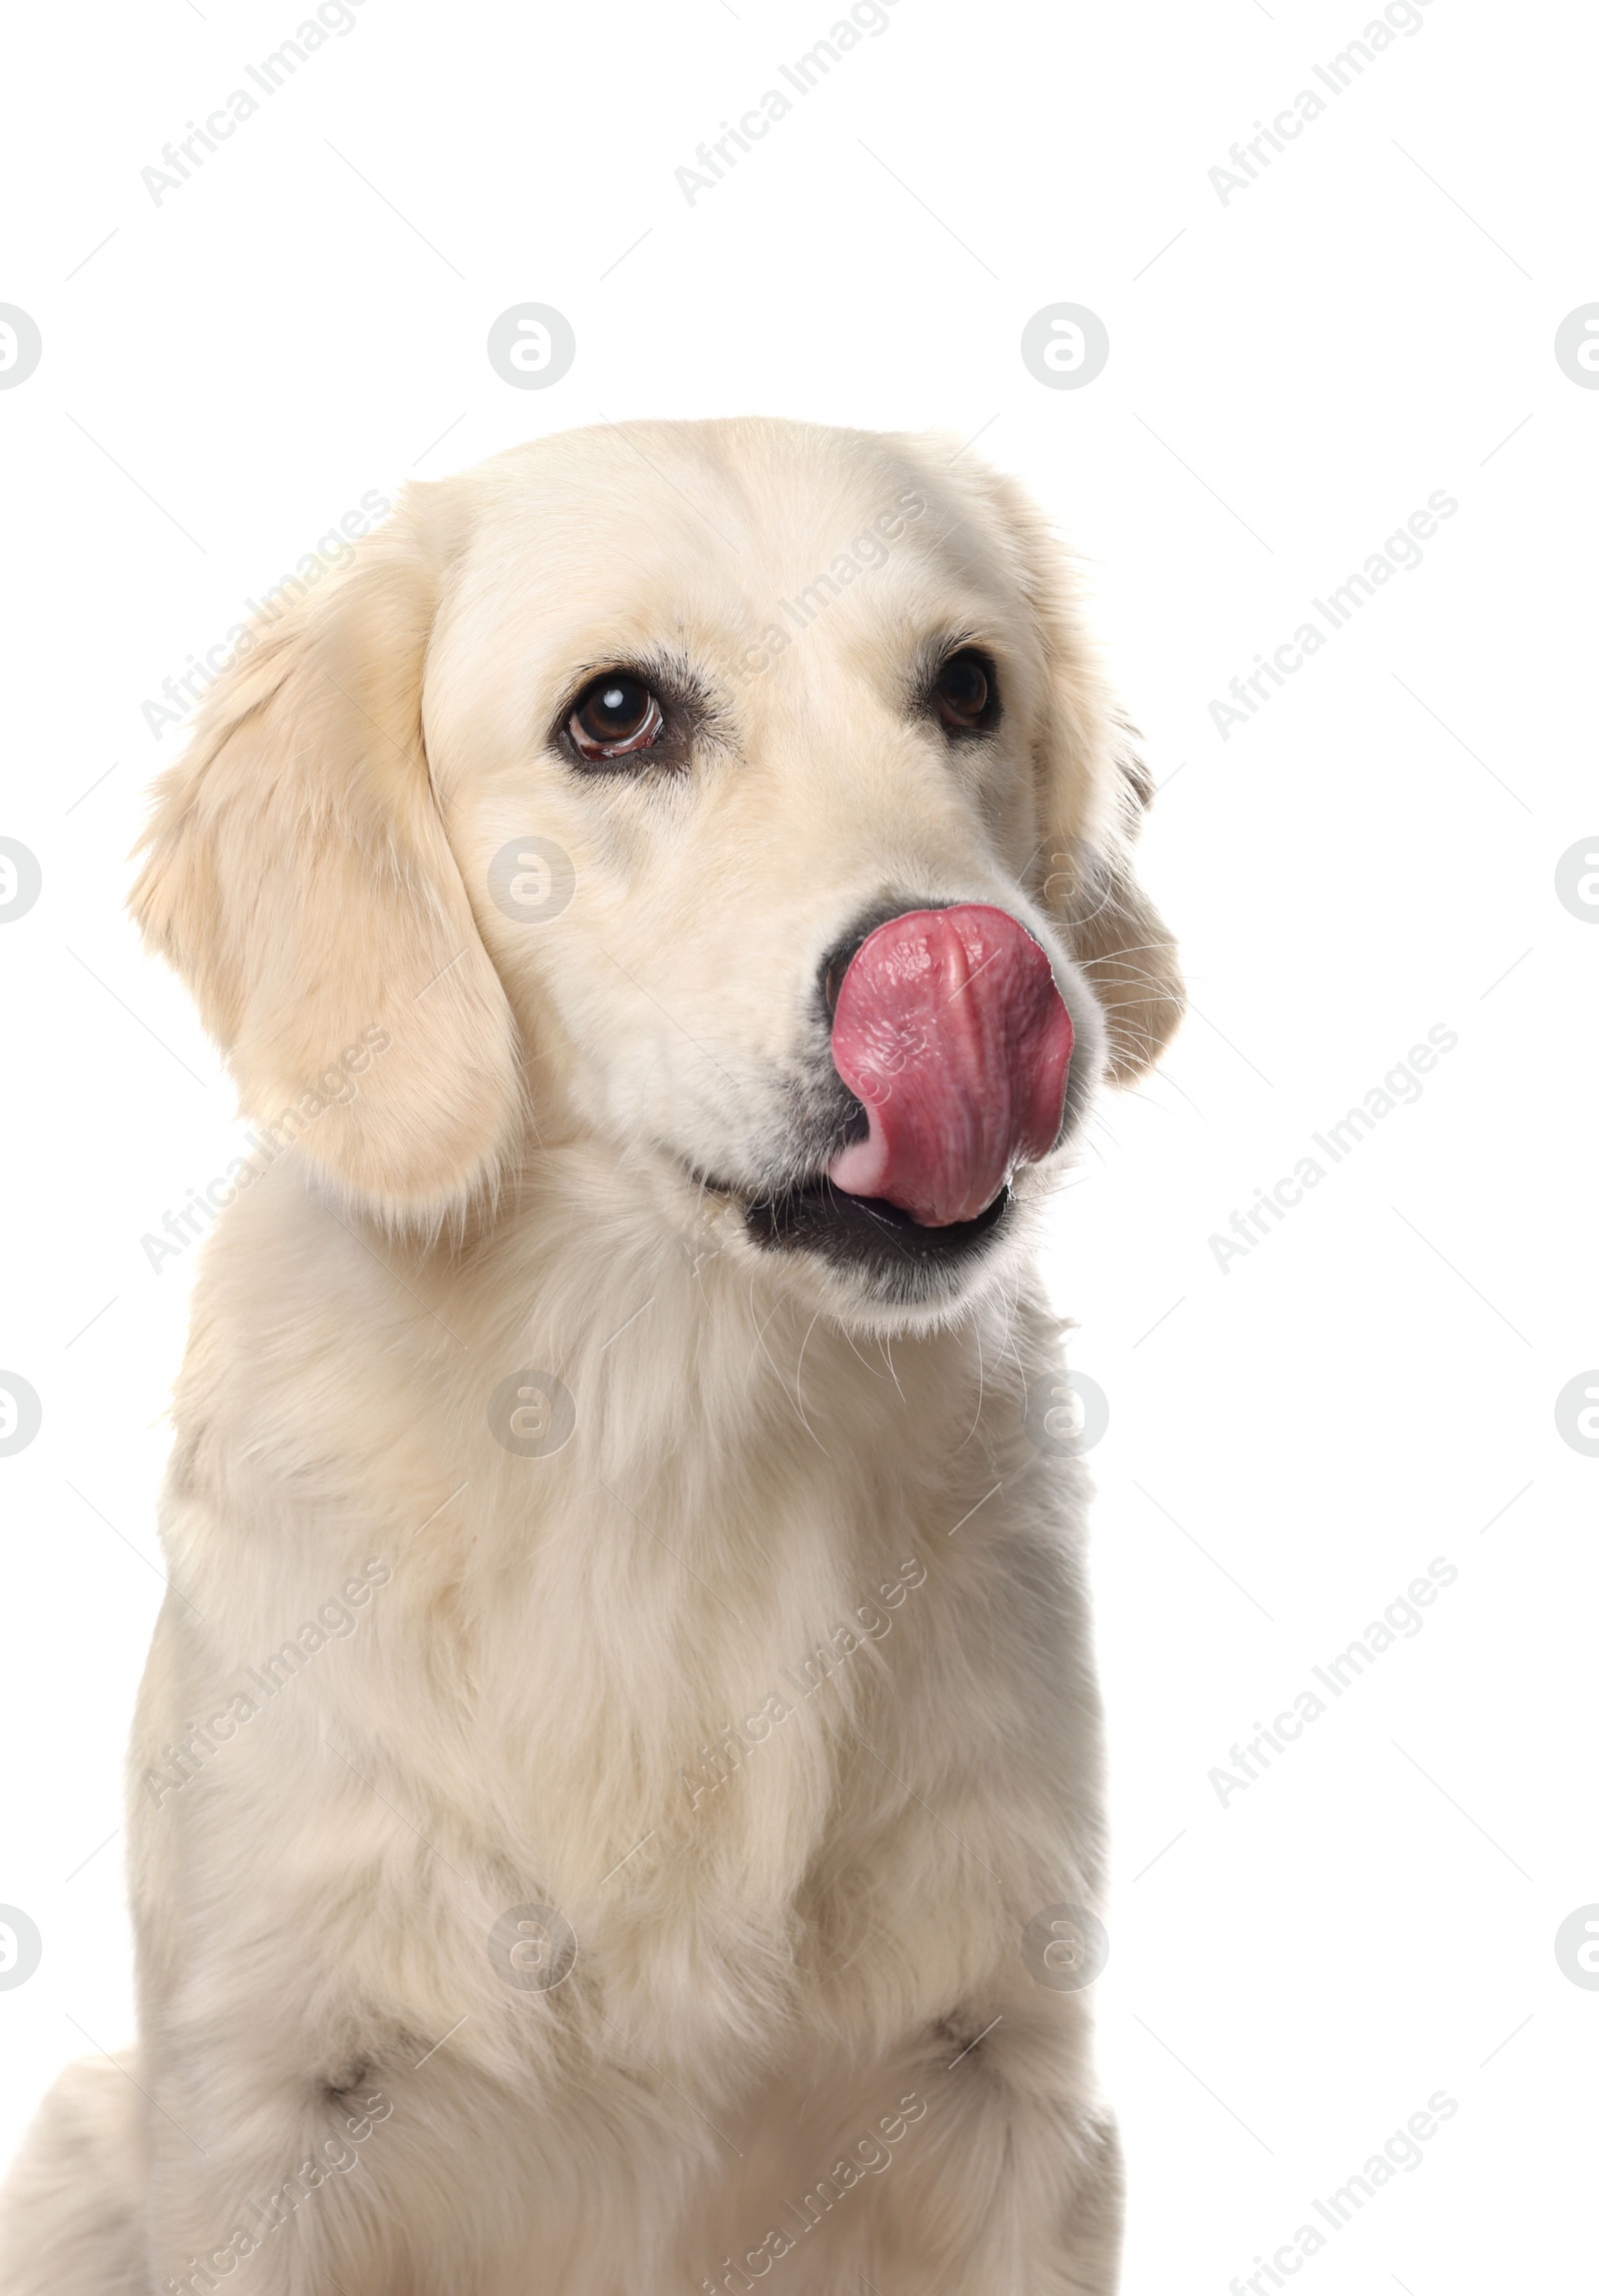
[774,1971]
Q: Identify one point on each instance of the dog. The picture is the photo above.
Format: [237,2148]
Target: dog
[616,1799]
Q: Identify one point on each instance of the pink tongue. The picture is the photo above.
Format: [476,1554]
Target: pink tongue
[951,1030]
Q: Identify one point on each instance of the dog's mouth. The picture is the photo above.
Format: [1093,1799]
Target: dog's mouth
[949,1030]
[952,1044]
[876,1247]
[868,1237]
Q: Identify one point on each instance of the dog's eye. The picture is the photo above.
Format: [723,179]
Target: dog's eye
[966,692]
[614,716]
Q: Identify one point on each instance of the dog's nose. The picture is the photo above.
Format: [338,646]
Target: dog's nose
[949,1026]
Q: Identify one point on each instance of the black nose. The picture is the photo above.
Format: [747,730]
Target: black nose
[834,966]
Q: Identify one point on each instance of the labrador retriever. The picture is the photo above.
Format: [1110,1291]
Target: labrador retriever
[616,1797]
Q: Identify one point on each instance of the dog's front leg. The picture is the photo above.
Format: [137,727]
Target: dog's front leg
[993,2173]
[275,2192]
[1015,2187]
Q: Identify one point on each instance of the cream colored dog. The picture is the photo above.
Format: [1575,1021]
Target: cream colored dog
[615,1796]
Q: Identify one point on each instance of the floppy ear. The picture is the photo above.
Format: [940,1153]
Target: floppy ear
[299,878]
[1093,789]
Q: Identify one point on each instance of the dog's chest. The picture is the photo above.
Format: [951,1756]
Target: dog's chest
[665,1723]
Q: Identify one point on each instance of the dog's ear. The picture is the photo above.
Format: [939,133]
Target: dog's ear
[300,879]
[1093,789]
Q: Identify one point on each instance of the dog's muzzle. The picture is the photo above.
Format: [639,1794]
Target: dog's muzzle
[950,1030]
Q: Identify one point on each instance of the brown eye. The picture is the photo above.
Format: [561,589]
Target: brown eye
[966,692]
[614,716]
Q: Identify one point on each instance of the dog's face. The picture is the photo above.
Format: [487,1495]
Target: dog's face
[740,798]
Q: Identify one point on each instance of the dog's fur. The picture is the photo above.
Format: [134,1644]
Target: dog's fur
[547,1163]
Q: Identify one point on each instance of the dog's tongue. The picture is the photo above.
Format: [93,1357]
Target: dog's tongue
[951,1032]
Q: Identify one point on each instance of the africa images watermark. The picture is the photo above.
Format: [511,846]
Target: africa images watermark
[335,1087]
[184,156]
[870,2155]
[1338,75]
[1401,552]
[1400,1618]
[864,555]
[867,19]
[334,1621]
[869,1621]
[334,2157]
[334,548]
[1401,2151]
[1401,1085]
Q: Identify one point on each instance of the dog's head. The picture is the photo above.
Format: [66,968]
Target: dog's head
[739,799]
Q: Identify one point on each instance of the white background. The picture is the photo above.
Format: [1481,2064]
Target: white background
[1291,1439]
